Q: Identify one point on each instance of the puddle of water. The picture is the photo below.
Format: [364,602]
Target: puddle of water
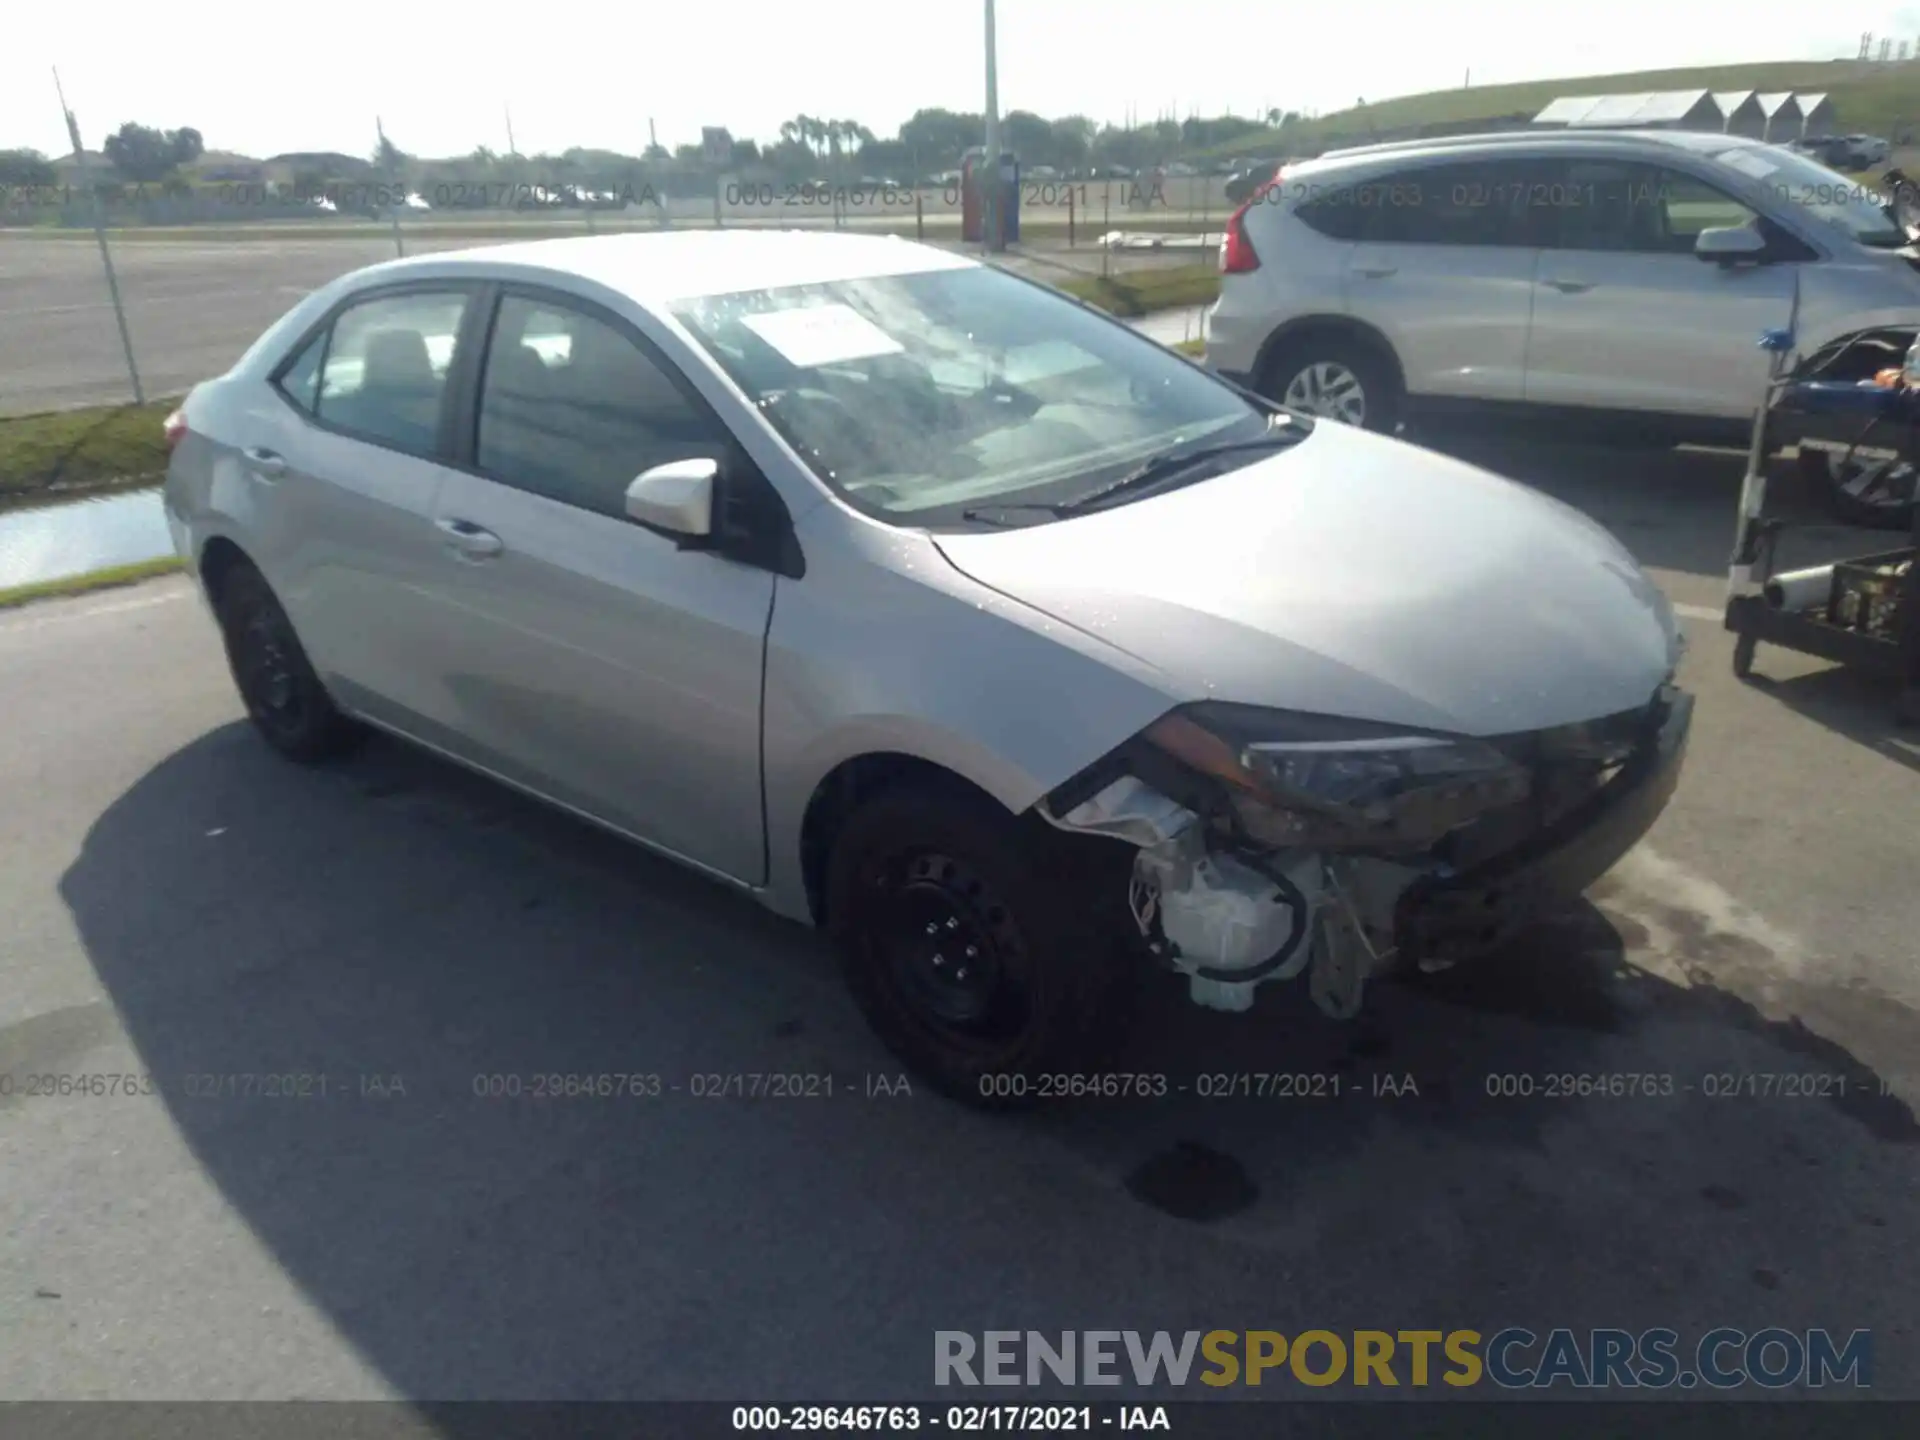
[71,537]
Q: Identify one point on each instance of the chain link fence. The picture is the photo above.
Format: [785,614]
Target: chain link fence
[174,284]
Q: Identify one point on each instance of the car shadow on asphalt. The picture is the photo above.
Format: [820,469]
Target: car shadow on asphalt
[1845,701]
[429,946]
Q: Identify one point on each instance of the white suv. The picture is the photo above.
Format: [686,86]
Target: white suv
[1559,274]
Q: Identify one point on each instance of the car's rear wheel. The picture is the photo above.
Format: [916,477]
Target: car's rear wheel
[979,945]
[1336,378]
[1876,493]
[284,697]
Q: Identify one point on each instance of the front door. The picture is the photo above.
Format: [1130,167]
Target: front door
[585,656]
[1626,317]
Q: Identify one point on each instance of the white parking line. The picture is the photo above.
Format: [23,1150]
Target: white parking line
[1698,612]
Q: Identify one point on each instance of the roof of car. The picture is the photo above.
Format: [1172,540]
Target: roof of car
[1701,141]
[659,266]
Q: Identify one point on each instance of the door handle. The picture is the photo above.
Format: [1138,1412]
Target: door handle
[1378,274]
[268,464]
[469,539]
[1570,287]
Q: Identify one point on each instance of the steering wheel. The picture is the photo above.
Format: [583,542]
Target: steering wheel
[813,416]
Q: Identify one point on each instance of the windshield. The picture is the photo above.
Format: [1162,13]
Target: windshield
[1827,194]
[917,397]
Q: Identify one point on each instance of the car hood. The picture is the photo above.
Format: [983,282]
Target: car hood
[1354,576]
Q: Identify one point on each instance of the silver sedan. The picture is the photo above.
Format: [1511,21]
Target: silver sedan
[928,606]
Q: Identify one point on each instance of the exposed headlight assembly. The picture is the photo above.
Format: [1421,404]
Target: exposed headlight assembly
[1315,782]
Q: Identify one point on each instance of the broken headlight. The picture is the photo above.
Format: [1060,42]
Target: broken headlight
[1314,782]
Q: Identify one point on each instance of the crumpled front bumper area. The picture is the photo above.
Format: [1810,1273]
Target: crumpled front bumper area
[1458,916]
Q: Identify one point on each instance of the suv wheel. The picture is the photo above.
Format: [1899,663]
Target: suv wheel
[1336,378]
[969,942]
[1875,493]
[284,698]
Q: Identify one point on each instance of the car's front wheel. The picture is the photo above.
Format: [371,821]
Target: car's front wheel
[979,945]
[284,697]
[1875,492]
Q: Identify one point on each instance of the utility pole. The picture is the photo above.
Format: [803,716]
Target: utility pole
[399,243]
[512,149]
[100,234]
[990,198]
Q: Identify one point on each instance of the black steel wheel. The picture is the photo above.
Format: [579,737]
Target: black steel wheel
[284,697]
[1876,493]
[982,952]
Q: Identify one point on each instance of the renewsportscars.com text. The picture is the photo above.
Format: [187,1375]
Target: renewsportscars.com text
[1513,1358]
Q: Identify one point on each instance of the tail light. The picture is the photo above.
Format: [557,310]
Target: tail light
[1237,255]
[174,428]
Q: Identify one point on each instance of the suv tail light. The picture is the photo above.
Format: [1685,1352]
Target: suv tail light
[1237,255]
[174,428]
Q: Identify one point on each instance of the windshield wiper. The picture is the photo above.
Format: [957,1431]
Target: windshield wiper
[990,514]
[1161,467]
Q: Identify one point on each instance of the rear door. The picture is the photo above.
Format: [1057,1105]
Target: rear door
[581,654]
[341,468]
[1444,269]
[1625,316]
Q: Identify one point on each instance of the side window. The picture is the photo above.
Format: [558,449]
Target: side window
[1335,213]
[1475,202]
[386,368]
[573,409]
[1644,209]
[1690,206]
[300,381]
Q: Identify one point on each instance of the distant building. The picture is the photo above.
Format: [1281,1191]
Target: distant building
[1657,110]
[1740,113]
[1816,114]
[1566,110]
[1778,116]
[1782,115]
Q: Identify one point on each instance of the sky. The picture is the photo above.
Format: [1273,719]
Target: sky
[262,78]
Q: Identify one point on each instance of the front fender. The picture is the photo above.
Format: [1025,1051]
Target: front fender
[899,653]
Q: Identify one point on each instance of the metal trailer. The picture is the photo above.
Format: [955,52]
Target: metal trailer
[1863,611]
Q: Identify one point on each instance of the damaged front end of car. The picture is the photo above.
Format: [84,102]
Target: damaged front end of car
[1271,844]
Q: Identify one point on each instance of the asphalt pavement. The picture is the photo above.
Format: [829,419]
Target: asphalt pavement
[180,907]
[193,307]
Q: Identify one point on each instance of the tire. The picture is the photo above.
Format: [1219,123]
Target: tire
[1872,494]
[982,948]
[1743,649]
[284,697]
[1324,372]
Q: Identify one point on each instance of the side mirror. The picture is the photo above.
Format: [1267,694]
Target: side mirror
[1728,244]
[676,498]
